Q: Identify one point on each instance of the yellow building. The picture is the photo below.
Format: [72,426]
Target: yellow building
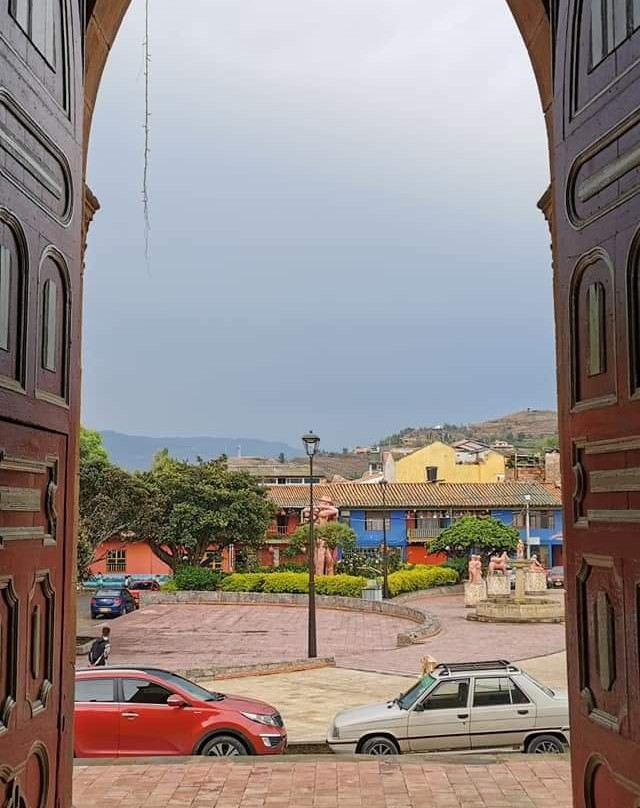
[464,462]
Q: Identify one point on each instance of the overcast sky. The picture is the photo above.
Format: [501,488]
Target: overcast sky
[343,226]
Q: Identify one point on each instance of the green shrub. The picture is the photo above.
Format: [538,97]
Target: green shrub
[346,586]
[168,586]
[199,579]
[355,562]
[294,583]
[460,565]
[421,577]
[243,582]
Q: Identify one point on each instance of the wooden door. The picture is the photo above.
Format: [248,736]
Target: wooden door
[40,226]
[597,251]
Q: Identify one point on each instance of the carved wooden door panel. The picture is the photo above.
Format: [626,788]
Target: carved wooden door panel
[597,250]
[40,227]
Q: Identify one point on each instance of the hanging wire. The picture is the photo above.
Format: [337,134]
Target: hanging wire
[147,147]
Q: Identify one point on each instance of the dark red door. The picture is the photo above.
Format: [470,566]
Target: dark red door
[597,248]
[40,226]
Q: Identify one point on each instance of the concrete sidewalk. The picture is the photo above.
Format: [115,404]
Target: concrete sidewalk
[326,782]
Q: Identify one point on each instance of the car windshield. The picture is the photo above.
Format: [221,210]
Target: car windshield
[107,593]
[194,690]
[542,687]
[407,699]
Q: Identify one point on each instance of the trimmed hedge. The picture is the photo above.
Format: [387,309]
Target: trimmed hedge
[420,577]
[293,583]
[197,579]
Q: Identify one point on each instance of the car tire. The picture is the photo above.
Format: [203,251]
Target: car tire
[546,745]
[379,745]
[224,746]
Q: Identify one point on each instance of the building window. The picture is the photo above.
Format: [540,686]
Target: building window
[116,561]
[539,520]
[5,296]
[373,521]
[49,325]
[431,474]
[612,21]
[36,18]
[596,348]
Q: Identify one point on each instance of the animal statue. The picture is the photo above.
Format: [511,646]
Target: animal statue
[535,565]
[323,513]
[498,564]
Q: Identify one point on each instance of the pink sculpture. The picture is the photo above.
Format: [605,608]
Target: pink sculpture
[498,564]
[475,569]
[520,550]
[323,513]
[535,565]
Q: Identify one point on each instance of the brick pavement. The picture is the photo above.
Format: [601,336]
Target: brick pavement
[326,782]
[203,636]
[461,640]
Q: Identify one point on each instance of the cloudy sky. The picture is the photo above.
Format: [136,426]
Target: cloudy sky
[343,226]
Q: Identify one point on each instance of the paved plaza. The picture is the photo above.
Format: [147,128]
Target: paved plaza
[205,636]
[327,782]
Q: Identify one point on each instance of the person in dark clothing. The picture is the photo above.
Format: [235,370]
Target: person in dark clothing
[100,649]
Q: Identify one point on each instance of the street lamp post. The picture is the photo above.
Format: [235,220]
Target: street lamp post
[527,523]
[385,566]
[311,442]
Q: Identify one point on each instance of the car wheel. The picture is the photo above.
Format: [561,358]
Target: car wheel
[379,745]
[224,746]
[546,745]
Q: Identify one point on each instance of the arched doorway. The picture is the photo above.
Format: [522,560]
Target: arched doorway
[585,60]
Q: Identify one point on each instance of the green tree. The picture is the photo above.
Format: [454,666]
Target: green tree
[91,447]
[111,503]
[195,505]
[336,534]
[471,534]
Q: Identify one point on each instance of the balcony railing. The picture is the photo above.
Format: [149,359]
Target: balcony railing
[279,530]
[424,532]
[116,566]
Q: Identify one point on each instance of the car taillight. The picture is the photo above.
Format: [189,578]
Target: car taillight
[93,600]
[117,601]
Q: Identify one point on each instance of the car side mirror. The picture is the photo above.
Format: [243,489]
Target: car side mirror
[176,701]
[419,708]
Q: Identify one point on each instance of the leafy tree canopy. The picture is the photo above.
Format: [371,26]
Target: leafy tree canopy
[91,447]
[471,534]
[336,534]
[195,505]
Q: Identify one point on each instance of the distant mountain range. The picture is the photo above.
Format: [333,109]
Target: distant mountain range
[135,452]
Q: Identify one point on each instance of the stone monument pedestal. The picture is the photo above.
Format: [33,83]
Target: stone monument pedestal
[535,582]
[474,593]
[498,586]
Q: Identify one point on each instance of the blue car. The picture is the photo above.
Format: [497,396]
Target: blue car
[112,603]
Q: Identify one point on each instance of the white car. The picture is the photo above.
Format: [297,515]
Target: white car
[462,706]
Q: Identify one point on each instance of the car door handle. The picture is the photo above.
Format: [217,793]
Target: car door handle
[130,715]
[463,715]
[523,712]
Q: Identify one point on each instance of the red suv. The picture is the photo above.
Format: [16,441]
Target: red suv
[121,712]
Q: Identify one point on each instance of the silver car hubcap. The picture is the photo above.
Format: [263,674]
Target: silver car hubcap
[548,747]
[381,749]
[223,749]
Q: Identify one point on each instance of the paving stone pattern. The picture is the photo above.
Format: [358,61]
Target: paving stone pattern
[326,782]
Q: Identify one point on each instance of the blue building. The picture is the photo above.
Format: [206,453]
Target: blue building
[415,513]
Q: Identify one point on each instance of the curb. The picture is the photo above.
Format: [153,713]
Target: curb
[263,669]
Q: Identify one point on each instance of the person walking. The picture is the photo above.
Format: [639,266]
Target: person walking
[100,649]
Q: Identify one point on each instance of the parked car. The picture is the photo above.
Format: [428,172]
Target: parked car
[136,587]
[112,602]
[555,577]
[122,712]
[104,582]
[474,705]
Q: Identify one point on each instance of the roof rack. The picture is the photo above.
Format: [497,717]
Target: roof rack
[447,668]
